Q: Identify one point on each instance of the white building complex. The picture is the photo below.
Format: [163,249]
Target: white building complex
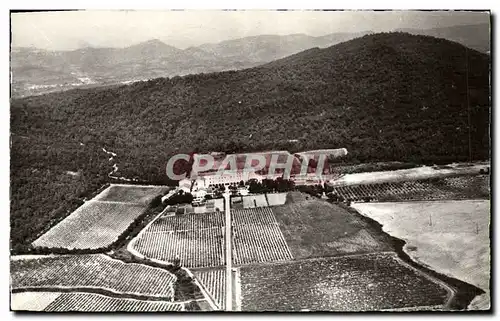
[202,184]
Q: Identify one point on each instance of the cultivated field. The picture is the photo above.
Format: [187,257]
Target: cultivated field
[236,202]
[196,238]
[214,281]
[195,248]
[316,228]
[276,198]
[253,216]
[349,283]
[259,243]
[417,173]
[136,194]
[91,302]
[460,187]
[252,201]
[98,223]
[85,302]
[451,237]
[257,237]
[91,272]
[187,222]
[32,301]
[93,225]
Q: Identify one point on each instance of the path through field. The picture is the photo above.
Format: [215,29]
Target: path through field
[229,258]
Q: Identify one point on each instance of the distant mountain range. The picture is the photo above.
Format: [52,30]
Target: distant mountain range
[473,36]
[36,71]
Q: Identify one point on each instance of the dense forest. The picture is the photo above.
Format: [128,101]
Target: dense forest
[389,96]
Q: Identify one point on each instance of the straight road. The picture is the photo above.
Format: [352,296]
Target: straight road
[229,258]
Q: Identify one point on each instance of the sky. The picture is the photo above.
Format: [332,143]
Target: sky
[68,30]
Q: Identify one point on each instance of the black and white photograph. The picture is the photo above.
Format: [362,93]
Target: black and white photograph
[183,161]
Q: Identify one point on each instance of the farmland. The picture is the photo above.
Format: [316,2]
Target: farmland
[253,216]
[187,222]
[93,273]
[212,205]
[196,238]
[259,243]
[85,302]
[387,96]
[214,281]
[276,198]
[252,201]
[32,301]
[337,260]
[257,237]
[98,223]
[459,187]
[315,228]
[348,283]
[236,202]
[93,225]
[131,193]
[451,237]
[91,302]
[196,248]
[412,174]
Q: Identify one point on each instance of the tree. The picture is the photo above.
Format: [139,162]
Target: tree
[254,186]
[180,198]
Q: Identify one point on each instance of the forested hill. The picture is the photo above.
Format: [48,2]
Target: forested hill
[391,96]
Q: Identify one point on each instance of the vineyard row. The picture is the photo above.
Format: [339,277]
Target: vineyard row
[92,271]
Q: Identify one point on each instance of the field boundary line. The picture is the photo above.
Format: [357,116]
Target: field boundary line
[137,185]
[188,301]
[237,289]
[242,224]
[208,297]
[195,229]
[312,259]
[285,242]
[425,201]
[130,245]
[416,308]
[174,277]
[94,290]
[133,263]
[37,256]
[207,268]
[100,194]
[116,202]
[228,252]
[450,290]
[173,303]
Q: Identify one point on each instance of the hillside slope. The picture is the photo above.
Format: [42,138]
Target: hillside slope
[387,96]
